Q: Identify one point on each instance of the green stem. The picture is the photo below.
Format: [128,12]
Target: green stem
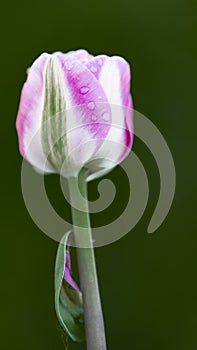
[94,325]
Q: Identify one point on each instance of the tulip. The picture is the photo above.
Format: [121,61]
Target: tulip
[75,108]
[75,119]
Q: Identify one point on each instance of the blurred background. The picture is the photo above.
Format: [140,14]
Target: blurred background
[148,282]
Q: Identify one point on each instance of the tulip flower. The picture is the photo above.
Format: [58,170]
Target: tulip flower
[75,101]
[75,119]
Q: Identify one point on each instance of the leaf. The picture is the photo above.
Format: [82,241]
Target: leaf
[68,300]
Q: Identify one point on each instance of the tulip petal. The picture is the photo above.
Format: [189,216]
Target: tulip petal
[29,119]
[114,77]
[86,127]
[80,55]
[54,138]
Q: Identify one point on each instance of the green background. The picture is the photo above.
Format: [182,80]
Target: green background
[148,282]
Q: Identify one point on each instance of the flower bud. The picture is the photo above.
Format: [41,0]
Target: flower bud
[76,111]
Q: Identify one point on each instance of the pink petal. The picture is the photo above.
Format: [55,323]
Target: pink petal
[80,55]
[86,126]
[125,82]
[29,118]
[114,77]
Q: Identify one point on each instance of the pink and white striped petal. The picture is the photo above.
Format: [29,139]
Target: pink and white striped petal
[29,118]
[114,77]
[85,121]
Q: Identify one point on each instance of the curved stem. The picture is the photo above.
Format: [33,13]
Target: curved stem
[94,325]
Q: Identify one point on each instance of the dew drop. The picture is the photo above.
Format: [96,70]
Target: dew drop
[94,117]
[99,97]
[93,69]
[84,90]
[68,65]
[106,116]
[91,105]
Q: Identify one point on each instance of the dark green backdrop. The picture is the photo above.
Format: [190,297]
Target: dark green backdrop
[148,282]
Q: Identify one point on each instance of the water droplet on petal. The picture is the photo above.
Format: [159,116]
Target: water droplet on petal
[106,116]
[84,90]
[99,97]
[93,69]
[68,65]
[94,117]
[91,105]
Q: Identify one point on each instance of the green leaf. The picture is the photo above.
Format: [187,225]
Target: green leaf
[68,301]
